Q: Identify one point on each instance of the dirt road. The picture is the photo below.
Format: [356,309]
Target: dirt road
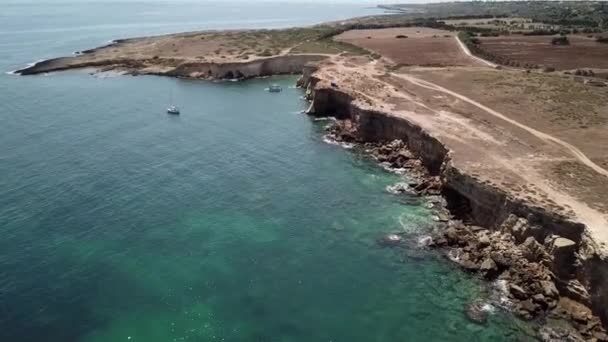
[578,154]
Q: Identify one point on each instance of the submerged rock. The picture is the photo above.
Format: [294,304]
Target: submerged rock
[477,313]
[391,240]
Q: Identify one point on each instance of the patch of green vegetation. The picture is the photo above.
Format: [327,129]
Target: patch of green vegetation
[266,53]
[581,14]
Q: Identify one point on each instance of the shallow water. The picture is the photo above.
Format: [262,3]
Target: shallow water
[233,221]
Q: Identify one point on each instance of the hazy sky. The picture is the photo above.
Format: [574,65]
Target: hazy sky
[366,2]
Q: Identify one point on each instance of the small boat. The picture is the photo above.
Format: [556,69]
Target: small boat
[173,110]
[275,88]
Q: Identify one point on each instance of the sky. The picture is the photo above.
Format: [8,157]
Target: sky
[367,2]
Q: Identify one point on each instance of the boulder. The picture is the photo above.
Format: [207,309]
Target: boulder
[469,265]
[521,230]
[501,259]
[484,241]
[489,268]
[533,251]
[575,290]
[580,316]
[508,223]
[549,289]
[563,253]
[600,336]
[452,235]
[528,306]
[443,216]
[539,298]
[518,227]
[518,292]
[563,245]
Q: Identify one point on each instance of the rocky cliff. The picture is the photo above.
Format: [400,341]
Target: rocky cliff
[579,271]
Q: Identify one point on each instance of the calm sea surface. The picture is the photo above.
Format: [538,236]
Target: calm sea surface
[231,222]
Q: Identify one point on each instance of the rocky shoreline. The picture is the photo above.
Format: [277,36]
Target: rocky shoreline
[524,268]
[527,264]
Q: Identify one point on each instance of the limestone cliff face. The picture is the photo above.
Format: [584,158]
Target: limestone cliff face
[582,274]
[377,126]
[260,67]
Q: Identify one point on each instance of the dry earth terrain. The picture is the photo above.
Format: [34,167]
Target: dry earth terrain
[583,51]
[224,46]
[411,46]
[208,51]
[552,104]
[538,136]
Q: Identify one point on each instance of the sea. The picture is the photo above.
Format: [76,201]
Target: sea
[234,221]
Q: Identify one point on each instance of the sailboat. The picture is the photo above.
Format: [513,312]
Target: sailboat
[172,109]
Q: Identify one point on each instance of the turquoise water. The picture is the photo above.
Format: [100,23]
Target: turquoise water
[231,222]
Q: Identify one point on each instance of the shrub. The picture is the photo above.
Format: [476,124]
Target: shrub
[490,34]
[266,53]
[562,40]
[401,36]
[601,39]
[540,32]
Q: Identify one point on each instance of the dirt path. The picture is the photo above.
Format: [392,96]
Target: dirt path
[578,154]
[468,53]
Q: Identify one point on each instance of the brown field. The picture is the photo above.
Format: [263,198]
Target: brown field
[423,46]
[556,105]
[583,52]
